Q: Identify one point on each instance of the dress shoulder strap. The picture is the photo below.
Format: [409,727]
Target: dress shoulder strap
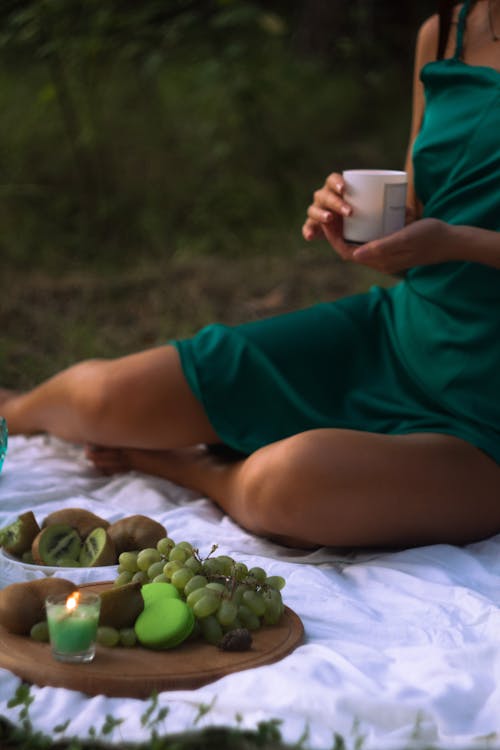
[461,28]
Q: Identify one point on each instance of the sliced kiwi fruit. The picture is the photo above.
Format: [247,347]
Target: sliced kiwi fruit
[56,543]
[97,549]
[84,521]
[17,538]
[121,605]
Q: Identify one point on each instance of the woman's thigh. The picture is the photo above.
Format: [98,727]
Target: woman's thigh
[349,488]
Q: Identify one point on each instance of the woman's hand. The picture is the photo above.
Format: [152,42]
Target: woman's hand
[423,242]
[420,242]
[324,216]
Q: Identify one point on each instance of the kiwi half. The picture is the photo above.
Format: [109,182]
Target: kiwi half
[97,549]
[56,543]
[121,605]
[17,538]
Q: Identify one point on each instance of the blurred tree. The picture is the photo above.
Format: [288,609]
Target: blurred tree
[249,65]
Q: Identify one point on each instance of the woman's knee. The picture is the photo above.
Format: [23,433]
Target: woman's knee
[275,483]
[90,390]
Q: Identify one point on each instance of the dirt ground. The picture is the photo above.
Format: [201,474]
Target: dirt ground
[49,322]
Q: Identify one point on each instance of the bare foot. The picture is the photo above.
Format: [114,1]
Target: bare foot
[181,466]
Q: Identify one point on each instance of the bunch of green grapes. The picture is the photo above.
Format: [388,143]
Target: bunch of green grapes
[224,594]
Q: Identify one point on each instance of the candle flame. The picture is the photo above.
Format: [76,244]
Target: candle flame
[73,600]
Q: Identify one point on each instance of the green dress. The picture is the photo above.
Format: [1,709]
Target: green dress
[421,356]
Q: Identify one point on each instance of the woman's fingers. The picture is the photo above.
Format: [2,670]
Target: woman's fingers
[327,208]
[311,230]
[330,202]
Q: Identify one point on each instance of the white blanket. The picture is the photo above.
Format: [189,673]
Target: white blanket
[400,647]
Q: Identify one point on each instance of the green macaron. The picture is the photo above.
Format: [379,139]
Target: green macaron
[164,623]
[153,591]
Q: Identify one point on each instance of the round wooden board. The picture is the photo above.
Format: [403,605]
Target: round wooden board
[137,672]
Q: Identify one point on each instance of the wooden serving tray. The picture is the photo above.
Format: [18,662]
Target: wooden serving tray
[137,672]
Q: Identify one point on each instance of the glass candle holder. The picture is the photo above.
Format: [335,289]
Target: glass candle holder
[72,622]
[3,440]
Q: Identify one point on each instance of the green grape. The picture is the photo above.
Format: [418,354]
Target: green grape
[155,569]
[107,636]
[181,577]
[275,582]
[147,557]
[196,631]
[178,554]
[259,574]
[206,605]
[272,595]
[187,546]
[165,545]
[211,629]
[227,612]
[274,606]
[195,595]
[238,592]
[273,613]
[219,588]
[248,618]
[196,582]
[128,561]
[128,637]
[40,632]
[210,566]
[141,576]
[170,567]
[123,578]
[194,564]
[240,571]
[255,602]
[225,564]
[161,579]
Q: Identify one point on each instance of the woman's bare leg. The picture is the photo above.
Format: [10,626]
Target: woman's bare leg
[141,401]
[346,488]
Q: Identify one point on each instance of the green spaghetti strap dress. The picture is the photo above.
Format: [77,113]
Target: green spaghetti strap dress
[421,356]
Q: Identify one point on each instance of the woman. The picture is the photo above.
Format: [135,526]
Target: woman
[373,420]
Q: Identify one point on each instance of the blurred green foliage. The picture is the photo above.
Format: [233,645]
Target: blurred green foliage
[185,126]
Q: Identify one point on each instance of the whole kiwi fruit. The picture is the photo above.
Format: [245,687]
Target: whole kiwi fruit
[135,532]
[23,604]
[80,519]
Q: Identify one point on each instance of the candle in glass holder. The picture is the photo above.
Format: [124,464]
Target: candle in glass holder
[73,622]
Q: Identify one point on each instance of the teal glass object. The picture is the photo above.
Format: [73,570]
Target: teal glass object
[3,440]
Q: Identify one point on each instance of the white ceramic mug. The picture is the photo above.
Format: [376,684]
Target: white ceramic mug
[378,200]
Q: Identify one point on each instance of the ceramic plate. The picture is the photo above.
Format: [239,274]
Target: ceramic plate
[111,571]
